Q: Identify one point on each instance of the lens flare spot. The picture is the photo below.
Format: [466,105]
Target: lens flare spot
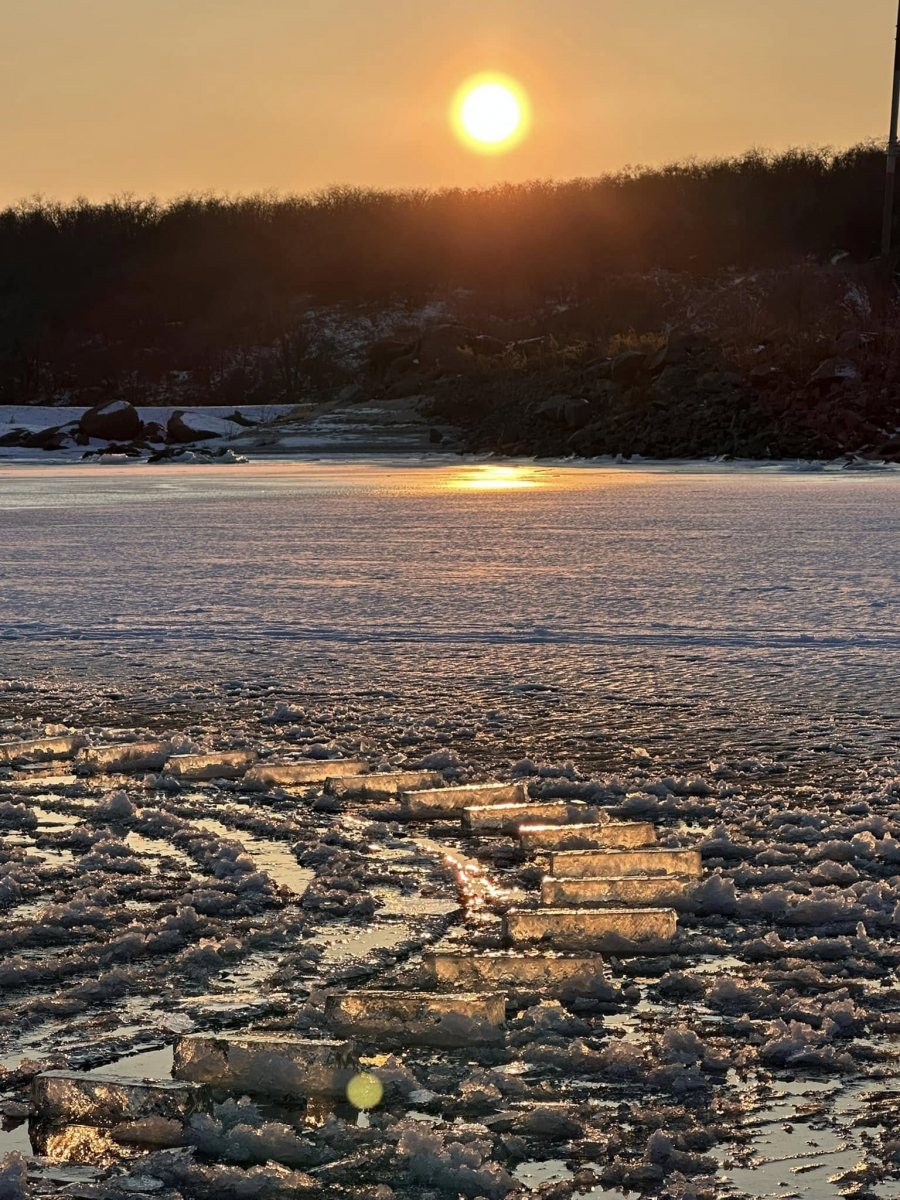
[364,1091]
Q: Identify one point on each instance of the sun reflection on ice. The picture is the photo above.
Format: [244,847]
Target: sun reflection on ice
[491,478]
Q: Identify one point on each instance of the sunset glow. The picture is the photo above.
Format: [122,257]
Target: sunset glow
[494,479]
[491,113]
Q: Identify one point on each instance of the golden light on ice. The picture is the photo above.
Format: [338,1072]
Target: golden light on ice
[494,479]
[491,113]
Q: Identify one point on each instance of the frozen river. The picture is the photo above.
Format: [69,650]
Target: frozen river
[734,625]
[694,612]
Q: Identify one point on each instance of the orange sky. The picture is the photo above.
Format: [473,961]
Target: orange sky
[165,96]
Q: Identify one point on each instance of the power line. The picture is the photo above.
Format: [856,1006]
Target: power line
[887,225]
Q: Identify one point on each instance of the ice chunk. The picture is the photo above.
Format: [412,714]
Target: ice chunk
[419,1018]
[457,1168]
[126,756]
[506,818]
[382,786]
[42,747]
[436,804]
[266,1064]
[574,927]
[622,889]
[13,1177]
[614,834]
[223,764]
[585,864]
[275,774]
[112,1099]
[571,974]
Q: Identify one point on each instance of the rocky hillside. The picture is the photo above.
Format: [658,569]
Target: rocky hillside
[684,400]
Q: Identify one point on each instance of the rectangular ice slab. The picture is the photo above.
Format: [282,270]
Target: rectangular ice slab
[578,926]
[585,864]
[382,787]
[435,805]
[266,1064]
[587,837]
[127,756]
[554,974]
[621,889]
[418,1018]
[222,764]
[111,1099]
[506,818]
[42,747]
[313,770]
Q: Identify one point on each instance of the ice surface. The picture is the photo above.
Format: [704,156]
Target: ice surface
[740,627]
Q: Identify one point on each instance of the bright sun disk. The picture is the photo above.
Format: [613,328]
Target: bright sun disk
[490,113]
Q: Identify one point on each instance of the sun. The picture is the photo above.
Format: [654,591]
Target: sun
[491,113]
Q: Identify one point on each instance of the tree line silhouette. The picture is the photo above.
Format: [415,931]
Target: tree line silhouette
[103,298]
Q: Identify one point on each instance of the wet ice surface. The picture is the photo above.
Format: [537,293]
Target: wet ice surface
[629,631]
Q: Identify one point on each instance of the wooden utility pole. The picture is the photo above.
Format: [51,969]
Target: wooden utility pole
[887,225]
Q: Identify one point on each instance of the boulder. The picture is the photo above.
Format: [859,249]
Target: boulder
[627,366]
[381,354]
[113,420]
[487,345]
[835,370]
[54,438]
[154,432]
[193,427]
[534,348]
[14,437]
[441,341]
[401,366]
[566,410]
[763,376]
[848,342]
[350,393]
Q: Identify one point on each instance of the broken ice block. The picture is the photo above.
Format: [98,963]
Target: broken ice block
[126,756]
[382,787]
[621,889]
[266,1064]
[112,1099]
[587,837]
[441,803]
[554,974]
[419,1018]
[312,770]
[580,926]
[506,818]
[223,764]
[584,864]
[41,747]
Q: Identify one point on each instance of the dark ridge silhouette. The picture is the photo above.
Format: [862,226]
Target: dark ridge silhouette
[100,298]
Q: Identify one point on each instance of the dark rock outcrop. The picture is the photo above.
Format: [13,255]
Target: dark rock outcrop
[113,420]
[179,432]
